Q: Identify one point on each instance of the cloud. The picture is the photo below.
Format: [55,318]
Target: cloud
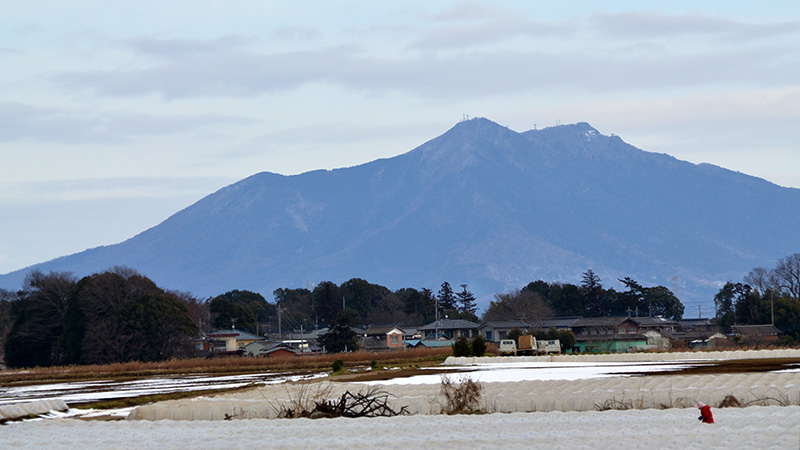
[646,25]
[170,49]
[470,25]
[457,58]
[7,51]
[19,121]
[36,192]
[490,32]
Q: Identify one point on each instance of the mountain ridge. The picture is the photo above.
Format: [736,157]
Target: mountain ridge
[480,204]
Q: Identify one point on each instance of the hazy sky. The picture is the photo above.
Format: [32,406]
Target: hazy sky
[115,115]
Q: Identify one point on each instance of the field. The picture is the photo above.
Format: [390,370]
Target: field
[562,404]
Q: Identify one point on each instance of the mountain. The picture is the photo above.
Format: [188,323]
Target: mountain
[481,205]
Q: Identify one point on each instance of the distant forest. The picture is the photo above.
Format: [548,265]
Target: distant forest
[120,315]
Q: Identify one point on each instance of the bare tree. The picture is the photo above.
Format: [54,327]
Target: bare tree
[389,310]
[523,305]
[787,275]
[760,279]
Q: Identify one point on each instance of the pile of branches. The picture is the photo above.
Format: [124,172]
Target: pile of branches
[372,403]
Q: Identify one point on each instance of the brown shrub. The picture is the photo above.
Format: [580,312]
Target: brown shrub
[730,402]
[463,397]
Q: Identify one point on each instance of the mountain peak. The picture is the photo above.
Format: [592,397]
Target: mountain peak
[478,126]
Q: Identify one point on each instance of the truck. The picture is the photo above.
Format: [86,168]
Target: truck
[548,347]
[507,347]
[529,346]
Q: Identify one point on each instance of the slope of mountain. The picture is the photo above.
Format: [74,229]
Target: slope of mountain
[481,205]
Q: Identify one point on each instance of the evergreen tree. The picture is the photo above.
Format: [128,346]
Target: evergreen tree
[447,299]
[592,292]
[746,304]
[227,315]
[94,328]
[429,305]
[478,346]
[663,302]
[723,301]
[629,300]
[327,302]
[340,336]
[160,324]
[466,301]
[461,347]
[37,320]
[263,310]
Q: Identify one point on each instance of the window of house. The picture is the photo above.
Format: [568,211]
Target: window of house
[395,339]
[631,330]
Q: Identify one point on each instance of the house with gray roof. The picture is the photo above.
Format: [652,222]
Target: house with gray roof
[755,334]
[449,329]
[496,330]
[559,323]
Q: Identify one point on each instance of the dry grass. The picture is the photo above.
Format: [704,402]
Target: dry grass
[462,397]
[223,365]
[730,402]
[778,398]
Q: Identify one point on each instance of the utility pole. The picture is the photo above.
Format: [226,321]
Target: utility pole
[436,303]
[280,335]
[771,309]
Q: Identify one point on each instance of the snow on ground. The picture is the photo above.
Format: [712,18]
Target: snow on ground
[90,391]
[537,371]
[770,427]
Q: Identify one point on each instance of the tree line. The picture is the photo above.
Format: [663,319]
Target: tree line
[764,296]
[114,316]
[120,315]
[540,300]
[367,303]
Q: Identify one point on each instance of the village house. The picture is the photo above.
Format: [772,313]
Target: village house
[449,329]
[702,339]
[269,349]
[496,331]
[377,338]
[755,334]
[607,334]
[227,341]
[559,323]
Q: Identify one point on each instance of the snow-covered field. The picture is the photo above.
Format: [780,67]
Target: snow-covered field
[536,403]
[91,391]
[771,427]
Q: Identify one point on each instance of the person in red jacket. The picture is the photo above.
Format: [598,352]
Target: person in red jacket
[705,412]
